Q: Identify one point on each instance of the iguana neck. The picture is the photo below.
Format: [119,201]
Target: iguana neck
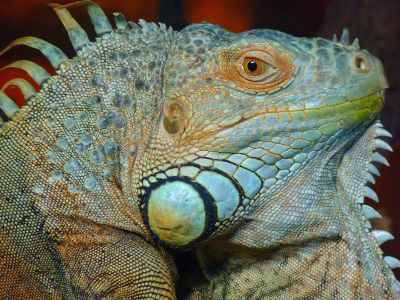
[109,126]
[146,59]
[318,269]
[313,226]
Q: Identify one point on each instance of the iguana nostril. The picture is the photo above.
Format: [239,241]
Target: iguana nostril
[361,63]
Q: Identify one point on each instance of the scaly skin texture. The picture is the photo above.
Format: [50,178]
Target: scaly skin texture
[250,150]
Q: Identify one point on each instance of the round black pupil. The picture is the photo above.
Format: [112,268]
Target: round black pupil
[252,66]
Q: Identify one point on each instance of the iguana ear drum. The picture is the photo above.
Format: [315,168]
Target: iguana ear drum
[174,118]
[182,210]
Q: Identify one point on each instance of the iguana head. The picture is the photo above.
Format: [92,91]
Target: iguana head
[243,114]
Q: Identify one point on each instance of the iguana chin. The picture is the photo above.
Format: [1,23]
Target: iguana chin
[254,150]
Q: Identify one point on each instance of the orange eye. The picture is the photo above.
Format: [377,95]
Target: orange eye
[254,66]
[259,69]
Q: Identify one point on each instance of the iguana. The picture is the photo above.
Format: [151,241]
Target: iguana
[249,153]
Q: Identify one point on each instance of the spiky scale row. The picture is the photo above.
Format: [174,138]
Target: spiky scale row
[54,54]
[381,236]
[379,158]
[25,87]
[77,35]
[392,262]
[373,170]
[370,193]
[380,144]
[370,212]
[356,44]
[98,18]
[383,132]
[371,178]
[38,73]
[120,21]
[7,106]
[345,40]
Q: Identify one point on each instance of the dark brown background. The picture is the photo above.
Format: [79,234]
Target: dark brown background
[375,22]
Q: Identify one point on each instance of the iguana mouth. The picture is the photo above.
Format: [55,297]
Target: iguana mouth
[373,103]
[350,112]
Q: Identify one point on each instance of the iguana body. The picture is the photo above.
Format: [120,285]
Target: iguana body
[251,149]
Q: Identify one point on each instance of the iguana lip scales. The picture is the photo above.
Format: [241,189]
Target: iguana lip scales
[374,102]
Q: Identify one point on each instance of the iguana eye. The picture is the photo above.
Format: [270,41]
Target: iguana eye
[260,69]
[253,66]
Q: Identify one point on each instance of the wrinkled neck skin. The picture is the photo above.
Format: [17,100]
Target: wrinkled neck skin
[307,240]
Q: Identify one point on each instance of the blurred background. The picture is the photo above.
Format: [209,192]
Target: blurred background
[375,22]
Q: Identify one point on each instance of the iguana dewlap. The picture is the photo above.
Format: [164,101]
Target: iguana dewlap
[249,153]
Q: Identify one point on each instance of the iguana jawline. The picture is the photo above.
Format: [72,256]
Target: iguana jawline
[374,101]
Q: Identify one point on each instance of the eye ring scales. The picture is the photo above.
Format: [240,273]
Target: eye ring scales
[256,68]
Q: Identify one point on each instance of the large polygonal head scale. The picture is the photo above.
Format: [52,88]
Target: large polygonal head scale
[245,112]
